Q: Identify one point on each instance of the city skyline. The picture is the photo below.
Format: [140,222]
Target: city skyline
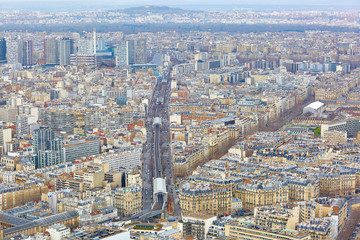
[67,5]
[201,120]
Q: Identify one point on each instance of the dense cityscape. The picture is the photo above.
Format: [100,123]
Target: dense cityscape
[247,130]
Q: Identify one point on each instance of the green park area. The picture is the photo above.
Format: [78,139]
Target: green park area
[317,131]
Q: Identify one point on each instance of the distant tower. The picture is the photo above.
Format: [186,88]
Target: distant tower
[85,47]
[12,51]
[26,52]
[64,51]
[2,49]
[94,41]
[51,51]
[130,52]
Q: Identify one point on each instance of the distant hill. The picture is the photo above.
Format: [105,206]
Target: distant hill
[146,10]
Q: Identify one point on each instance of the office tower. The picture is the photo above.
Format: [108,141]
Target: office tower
[121,54]
[85,47]
[130,52]
[47,147]
[12,51]
[43,138]
[64,51]
[140,51]
[26,52]
[101,44]
[51,51]
[2,49]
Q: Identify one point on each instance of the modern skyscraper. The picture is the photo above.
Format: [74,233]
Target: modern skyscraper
[121,54]
[101,44]
[130,52]
[2,49]
[26,52]
[85,47]
[12,51]
[43,138]
[64,51]
[47,147]
[51,51]
[140,51]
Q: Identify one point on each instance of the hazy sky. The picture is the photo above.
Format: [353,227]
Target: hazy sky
[56,5]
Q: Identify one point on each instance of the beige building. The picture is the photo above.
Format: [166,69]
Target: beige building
[324,207]
[11,197]
[279,218]
[186,159]
[10,161]
[262,194]
[204,198]
[335,137]
[247,229]
[128,200]
[301,189]
[66,181]
[90,178]
[337,182]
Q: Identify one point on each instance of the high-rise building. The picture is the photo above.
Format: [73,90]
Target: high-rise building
[130,52]
[64,51]
[43,138]
[26,52]
[51,51]
[85,47]
[59,120]
[140,51]
[2,49]
[5,137]
[121,54]
[12,51]
[23,123]
[101,44]
[47,147]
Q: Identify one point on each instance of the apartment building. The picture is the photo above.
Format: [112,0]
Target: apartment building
[301,189]
[247,229]
[318,228]
[126,158]
[203,198]
[128,200]
[78,148]
[187,158]
[256,194]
